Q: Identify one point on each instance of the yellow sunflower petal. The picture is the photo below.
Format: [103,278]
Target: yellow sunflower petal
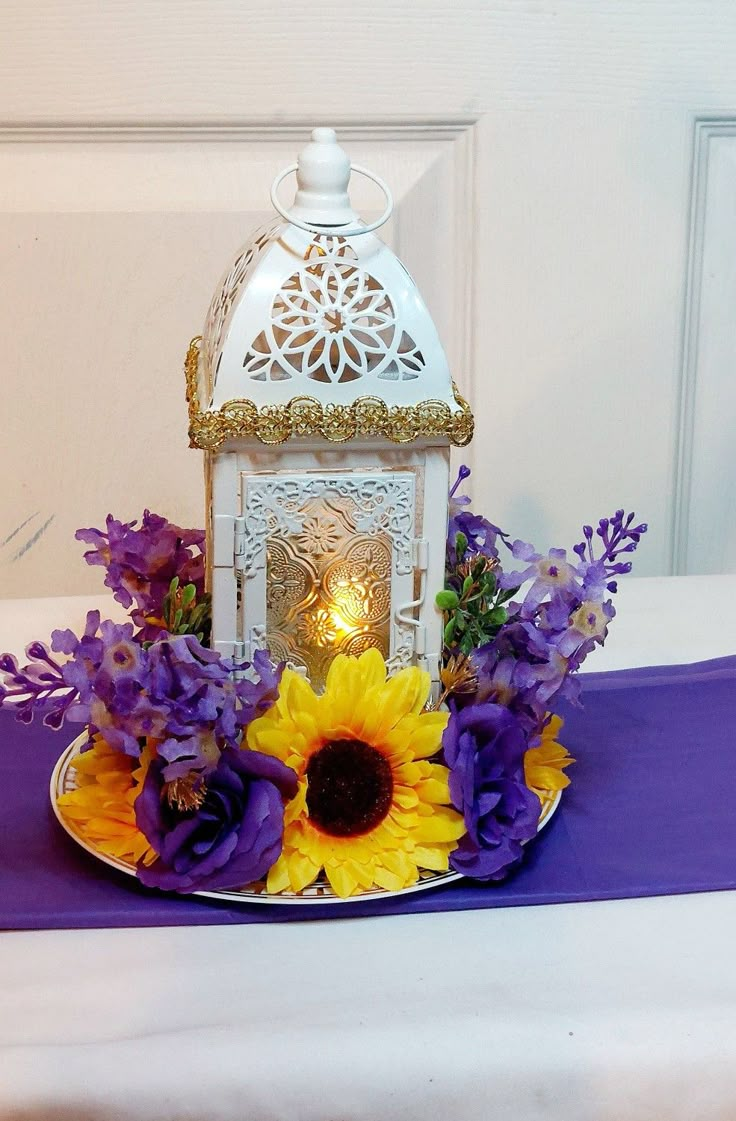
[401,865]
[362,873]
[407,773]
[405,693]
[405,797]
[544,765]
[420,736]
[349,680]
[296,695]
[435,858]
[303,871]
[435,789]
[538,777]
[342,879]
[269,740]
[278,876]
[389,881]
[444,824]
[552,727]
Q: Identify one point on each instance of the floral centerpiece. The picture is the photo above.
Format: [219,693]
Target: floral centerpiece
[205,773]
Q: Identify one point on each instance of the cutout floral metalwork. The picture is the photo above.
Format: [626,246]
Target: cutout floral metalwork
[333,322]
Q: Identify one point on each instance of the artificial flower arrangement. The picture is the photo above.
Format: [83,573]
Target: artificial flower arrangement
[203,773]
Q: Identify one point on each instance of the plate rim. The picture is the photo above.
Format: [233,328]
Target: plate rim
[243,896]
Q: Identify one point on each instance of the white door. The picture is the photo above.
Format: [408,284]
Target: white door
[565,175]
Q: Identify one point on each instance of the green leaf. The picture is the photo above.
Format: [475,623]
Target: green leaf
[177,619]
[174,586]
[476,597]
[188,594]
[447,600]
[461,545]
[498,616]
[449,632]
[198,614]
[467,584]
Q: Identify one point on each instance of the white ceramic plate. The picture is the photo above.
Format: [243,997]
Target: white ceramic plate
[63,780]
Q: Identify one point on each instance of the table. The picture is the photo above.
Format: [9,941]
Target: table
[612,1011]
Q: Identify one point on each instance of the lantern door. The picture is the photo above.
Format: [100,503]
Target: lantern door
[316,551]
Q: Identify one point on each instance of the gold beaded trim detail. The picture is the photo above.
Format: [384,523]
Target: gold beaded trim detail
[305,416]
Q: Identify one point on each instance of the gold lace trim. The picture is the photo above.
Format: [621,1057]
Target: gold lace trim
[305,416]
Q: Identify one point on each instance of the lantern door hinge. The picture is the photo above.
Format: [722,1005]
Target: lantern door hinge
[239,656]
[239,544]
[420,554]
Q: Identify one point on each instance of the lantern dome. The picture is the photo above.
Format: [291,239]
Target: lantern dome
[317,329]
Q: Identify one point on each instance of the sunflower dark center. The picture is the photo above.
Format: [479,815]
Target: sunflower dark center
[349,788]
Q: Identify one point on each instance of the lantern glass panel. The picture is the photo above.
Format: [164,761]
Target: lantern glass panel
[328,565]
[328,588]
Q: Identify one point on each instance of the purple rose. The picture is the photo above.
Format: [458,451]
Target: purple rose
[223,830]
[484,748]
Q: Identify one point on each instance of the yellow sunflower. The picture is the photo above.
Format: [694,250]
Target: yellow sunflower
[544,765]
[371,810]
[101,808]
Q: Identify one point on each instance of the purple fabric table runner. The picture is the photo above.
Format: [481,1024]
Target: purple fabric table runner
[650,812]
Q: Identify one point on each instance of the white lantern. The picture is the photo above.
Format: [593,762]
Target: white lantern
[322,397]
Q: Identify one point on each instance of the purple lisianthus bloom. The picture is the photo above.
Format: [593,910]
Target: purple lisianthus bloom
[230,837]
[484,748]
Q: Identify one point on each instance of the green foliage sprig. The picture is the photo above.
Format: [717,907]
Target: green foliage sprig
[183,613]
[471,602]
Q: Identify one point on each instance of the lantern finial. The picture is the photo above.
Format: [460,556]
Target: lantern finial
[322,175]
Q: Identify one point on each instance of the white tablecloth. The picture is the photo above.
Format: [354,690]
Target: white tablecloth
[615,1011]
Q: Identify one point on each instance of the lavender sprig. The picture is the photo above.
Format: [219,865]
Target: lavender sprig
[468,534]
[618,536]
[36,685]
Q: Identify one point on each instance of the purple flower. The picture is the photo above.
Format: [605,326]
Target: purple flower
[176,691]
[618,535]
[38,686]
[552,574]
[205,697]
[231,832]
[108,672]
[559,615]
[480,534]
[141,563]
[484,746]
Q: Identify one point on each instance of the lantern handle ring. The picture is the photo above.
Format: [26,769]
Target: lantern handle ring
[341,231]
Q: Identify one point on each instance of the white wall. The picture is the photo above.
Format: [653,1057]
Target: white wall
[565,178]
